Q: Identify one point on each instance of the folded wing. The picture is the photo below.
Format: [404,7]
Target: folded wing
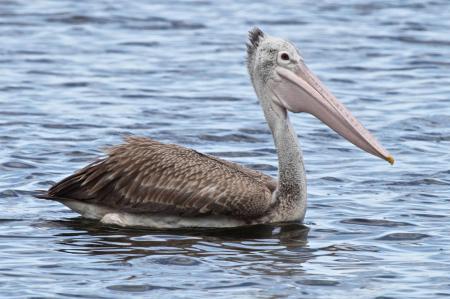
[146,176]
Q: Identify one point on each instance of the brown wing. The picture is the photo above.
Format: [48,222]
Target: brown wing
[146,176]
[269,181]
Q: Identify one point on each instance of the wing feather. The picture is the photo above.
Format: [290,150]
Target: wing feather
[146,176]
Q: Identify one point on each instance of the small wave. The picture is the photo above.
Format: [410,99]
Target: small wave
[318,282]
[404,237]
[425,181]
[140,44]
[17,165]
[375,222]
[230,137]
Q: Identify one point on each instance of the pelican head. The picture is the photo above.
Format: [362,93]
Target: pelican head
[280,77]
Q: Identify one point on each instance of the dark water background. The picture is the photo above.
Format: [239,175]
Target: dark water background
[77,75]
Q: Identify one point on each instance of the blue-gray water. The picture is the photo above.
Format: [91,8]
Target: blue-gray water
[77,75]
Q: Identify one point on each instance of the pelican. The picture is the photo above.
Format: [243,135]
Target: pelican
[143,182]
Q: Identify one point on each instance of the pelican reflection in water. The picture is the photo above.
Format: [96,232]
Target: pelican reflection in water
[147,183]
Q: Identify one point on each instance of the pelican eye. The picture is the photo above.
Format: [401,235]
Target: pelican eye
[285,56]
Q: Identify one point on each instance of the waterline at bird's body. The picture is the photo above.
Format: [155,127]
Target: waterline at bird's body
[109,216]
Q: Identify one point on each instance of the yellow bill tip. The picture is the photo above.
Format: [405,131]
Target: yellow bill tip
[390,159]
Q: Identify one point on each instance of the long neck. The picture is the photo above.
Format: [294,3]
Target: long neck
[291,171]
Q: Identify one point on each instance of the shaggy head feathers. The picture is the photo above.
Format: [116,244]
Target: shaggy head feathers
[254,36]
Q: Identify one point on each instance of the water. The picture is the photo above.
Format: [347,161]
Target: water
[76,76]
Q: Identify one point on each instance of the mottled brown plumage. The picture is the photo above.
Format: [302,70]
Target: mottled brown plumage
[146,176]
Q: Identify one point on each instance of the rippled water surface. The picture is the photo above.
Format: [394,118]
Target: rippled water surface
[78,75]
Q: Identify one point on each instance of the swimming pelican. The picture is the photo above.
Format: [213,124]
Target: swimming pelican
[147,183]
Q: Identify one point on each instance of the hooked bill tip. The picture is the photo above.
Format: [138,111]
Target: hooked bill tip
[390,159]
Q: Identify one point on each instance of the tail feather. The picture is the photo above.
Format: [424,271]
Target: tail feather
[42,194]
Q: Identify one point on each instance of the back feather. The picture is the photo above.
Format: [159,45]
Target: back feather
[146,176]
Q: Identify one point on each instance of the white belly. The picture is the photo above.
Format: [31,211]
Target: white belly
[110,216]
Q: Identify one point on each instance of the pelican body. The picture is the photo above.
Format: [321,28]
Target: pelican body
[147,183]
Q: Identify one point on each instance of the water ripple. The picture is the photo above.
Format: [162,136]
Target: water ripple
[77,76]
